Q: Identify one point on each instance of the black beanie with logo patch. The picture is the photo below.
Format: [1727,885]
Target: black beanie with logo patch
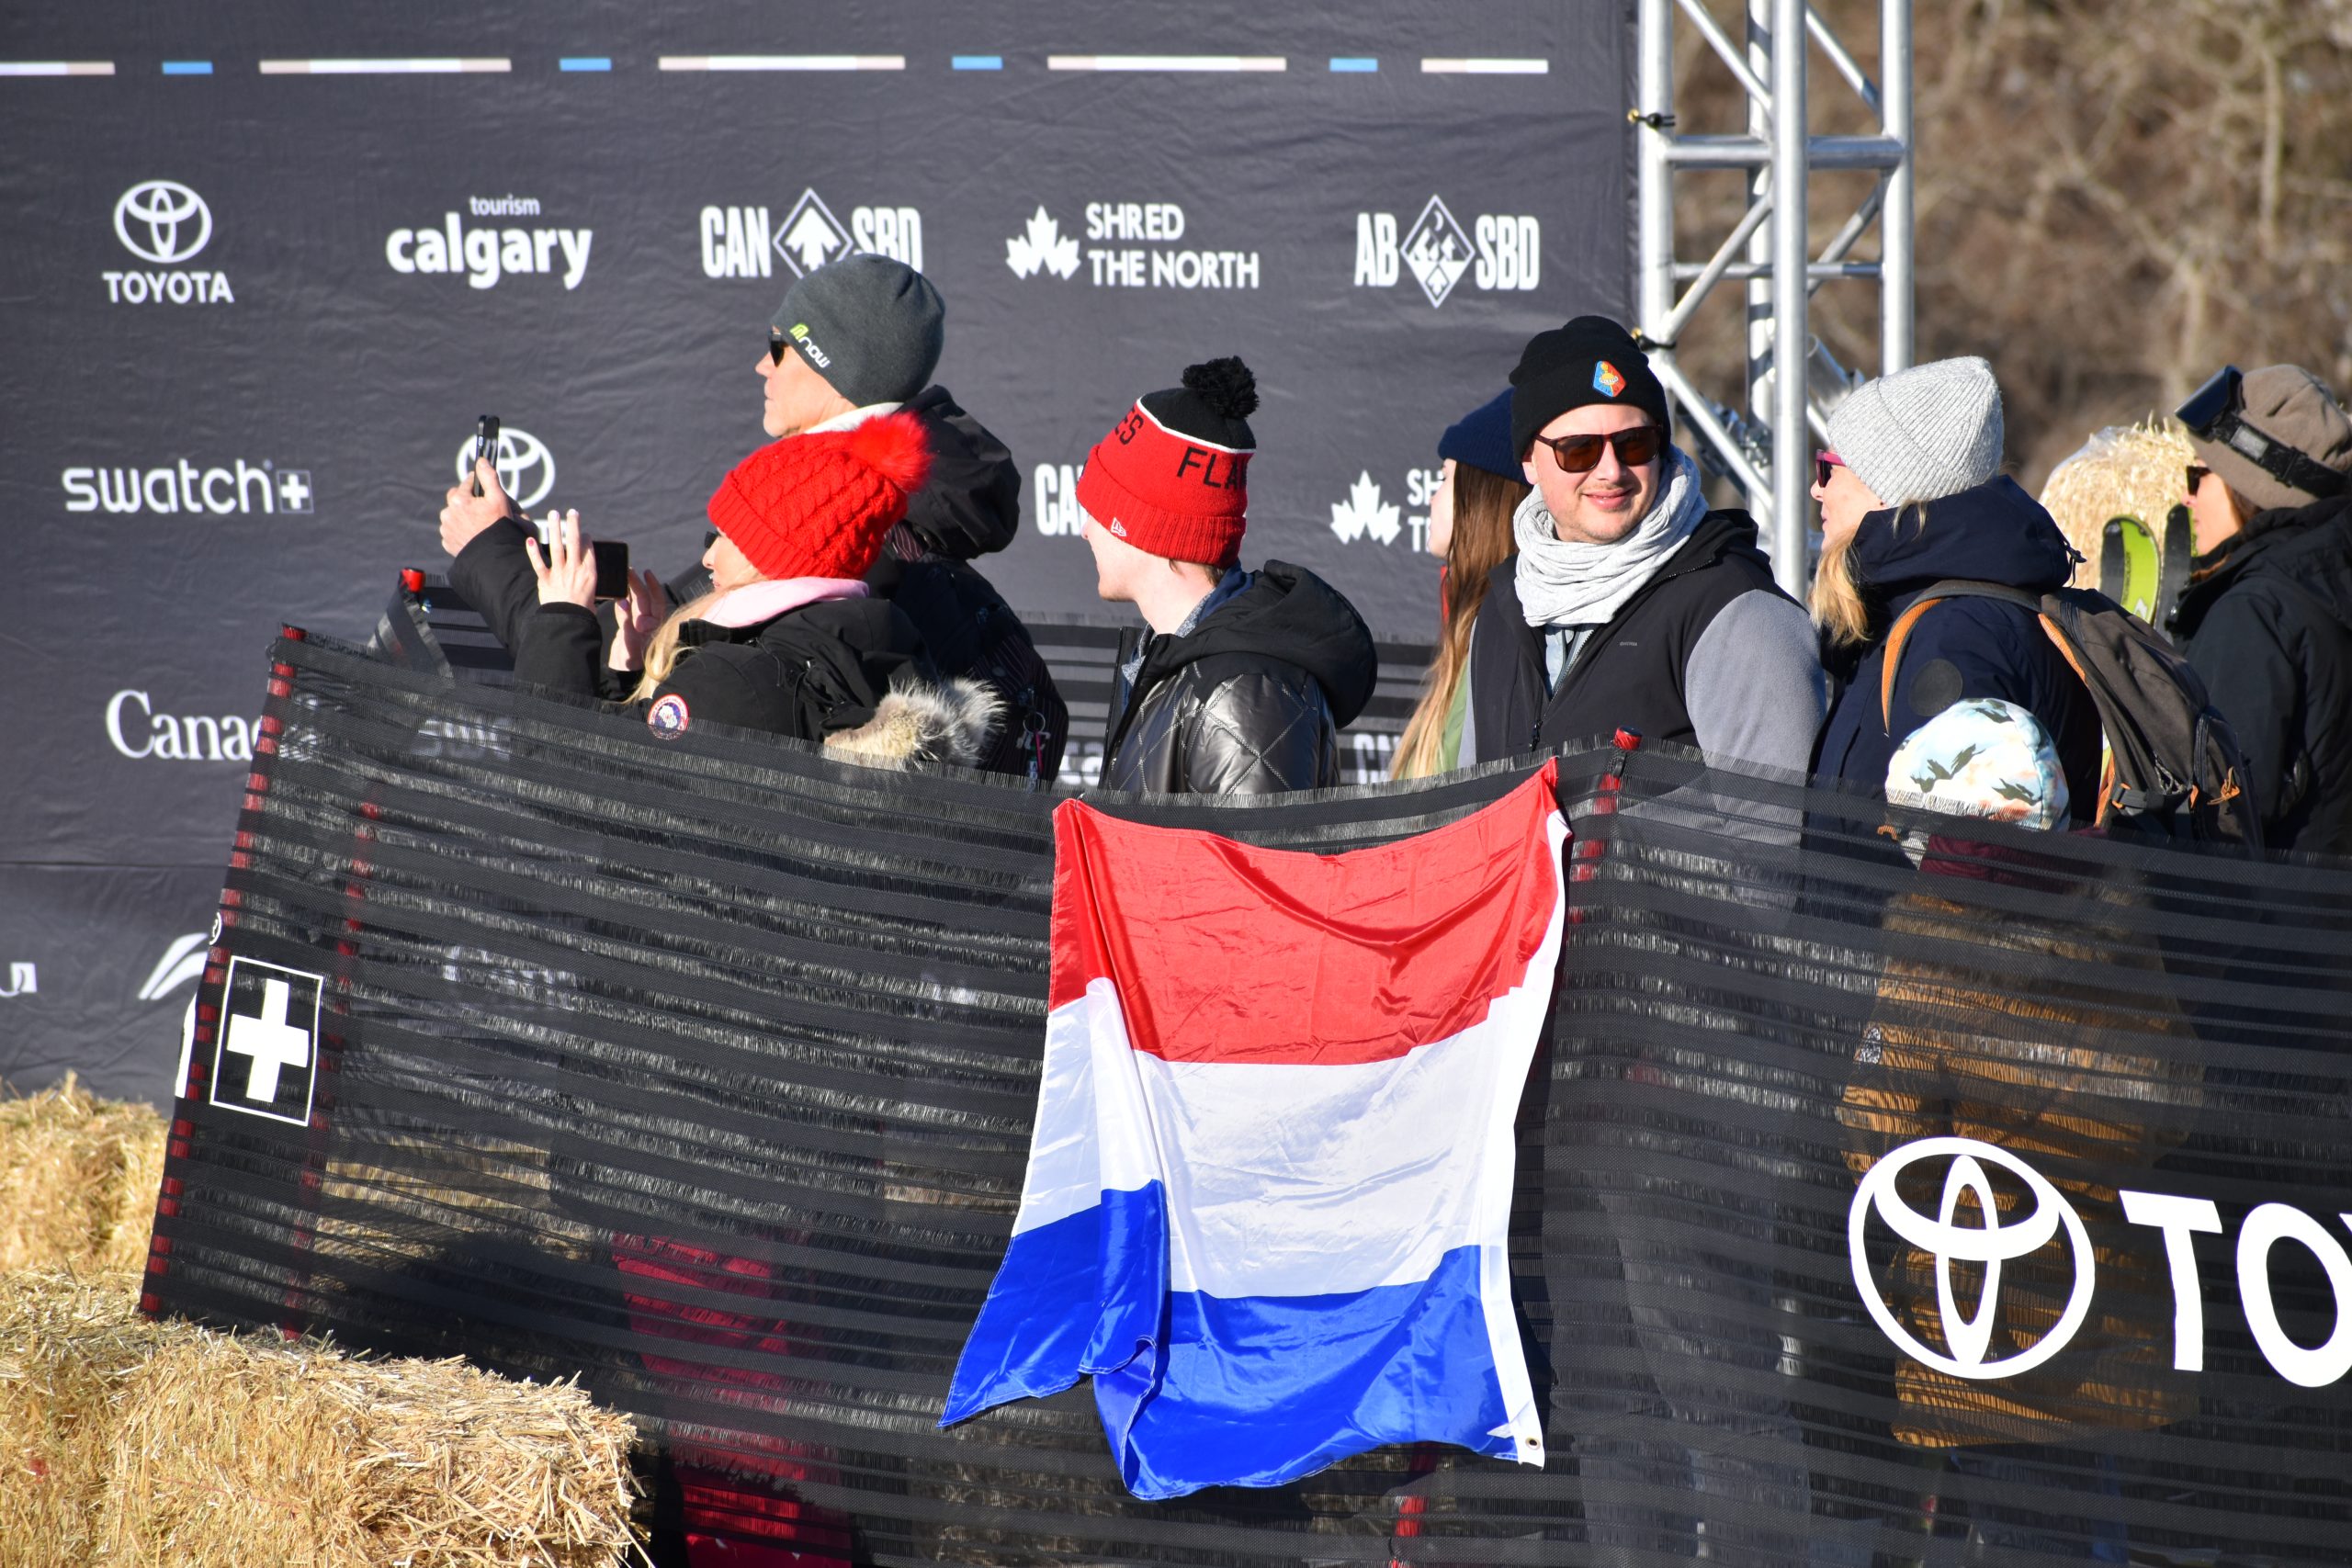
[1589,360]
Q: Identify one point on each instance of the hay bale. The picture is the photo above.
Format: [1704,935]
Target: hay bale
[168,1444]
[79,1178]
[66,1347]
[2124,470]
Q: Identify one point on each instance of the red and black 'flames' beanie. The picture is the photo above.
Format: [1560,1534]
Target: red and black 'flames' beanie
[1172,479]
[818,504]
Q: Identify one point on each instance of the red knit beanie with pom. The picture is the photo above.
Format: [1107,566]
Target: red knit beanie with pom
[1172,477]
[818,504]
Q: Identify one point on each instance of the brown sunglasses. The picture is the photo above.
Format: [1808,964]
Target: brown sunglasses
[1581,454]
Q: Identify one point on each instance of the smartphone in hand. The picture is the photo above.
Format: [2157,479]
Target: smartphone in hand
[612,560]
[485,445]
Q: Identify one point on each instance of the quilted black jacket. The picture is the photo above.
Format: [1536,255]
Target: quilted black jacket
[1251,701]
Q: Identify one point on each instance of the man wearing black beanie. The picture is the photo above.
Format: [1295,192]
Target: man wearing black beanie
[1630,605]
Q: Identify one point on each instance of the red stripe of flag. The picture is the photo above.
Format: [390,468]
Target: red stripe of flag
[1225,953]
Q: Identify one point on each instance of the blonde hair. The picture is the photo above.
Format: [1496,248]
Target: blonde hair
[1838,606]
[1483,506]
[662,652]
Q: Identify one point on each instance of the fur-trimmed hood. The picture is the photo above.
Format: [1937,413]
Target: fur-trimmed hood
[919,722]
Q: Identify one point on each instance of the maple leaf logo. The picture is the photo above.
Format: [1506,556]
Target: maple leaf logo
[1041,245]
[1363,513]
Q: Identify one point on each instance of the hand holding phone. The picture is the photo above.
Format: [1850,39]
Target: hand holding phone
[611,556]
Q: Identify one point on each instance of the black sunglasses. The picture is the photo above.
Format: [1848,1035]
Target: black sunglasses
[2216,412]
[1580,454]
[777,344]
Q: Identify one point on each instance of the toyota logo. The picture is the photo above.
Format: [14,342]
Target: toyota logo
[161,221]
[526,467]
[1991,1244]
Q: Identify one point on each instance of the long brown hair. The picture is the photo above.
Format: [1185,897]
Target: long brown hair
[1483,505]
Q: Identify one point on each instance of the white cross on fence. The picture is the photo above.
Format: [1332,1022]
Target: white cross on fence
[268,1042]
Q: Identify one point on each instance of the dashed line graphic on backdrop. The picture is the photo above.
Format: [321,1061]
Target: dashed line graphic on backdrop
[443,65]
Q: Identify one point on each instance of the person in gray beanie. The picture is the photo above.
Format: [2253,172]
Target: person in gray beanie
[2267,619]
[1911,494]
[854,334]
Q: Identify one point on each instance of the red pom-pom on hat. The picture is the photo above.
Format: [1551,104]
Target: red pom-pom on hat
[819,504]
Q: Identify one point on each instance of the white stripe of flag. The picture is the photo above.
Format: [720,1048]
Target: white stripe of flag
[1488,67]
[782,63]
[56,68]
[1166,62]
[419,67]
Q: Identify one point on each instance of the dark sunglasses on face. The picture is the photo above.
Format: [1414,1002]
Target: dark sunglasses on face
[1822,463]
[1581,454]
[777,344]
[2196,472]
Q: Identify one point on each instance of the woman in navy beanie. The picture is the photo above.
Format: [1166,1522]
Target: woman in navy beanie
[1470,531]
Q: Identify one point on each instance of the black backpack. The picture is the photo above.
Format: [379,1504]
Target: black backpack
[2174,770]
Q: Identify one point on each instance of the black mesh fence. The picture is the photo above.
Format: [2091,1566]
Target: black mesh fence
[1978,1203]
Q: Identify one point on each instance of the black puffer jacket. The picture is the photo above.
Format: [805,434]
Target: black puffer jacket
[1250,701]
[2267,622]
[808,672]
[969,506]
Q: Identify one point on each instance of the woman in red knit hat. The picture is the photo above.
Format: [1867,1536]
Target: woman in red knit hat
[789,639]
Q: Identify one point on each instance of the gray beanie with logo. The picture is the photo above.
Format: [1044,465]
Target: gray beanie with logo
[869,325]
[1922,434]
[2293,407]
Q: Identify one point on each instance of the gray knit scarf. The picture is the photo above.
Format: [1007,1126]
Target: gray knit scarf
[1562,582]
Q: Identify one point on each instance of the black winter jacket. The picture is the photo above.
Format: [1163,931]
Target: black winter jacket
[808,672]
[2268,623]
[1636,671]
[1961,648]
[969,506]
[1250,701]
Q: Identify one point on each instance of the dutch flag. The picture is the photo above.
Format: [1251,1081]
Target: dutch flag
[1270,1177]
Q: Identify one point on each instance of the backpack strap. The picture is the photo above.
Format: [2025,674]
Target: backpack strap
[1951,588]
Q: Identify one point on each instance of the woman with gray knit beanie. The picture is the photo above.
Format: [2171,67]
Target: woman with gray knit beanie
[1911,495]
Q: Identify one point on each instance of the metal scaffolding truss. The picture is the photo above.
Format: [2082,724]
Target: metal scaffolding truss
[1767,450]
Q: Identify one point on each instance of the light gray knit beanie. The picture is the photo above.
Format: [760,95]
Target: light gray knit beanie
[1922,434]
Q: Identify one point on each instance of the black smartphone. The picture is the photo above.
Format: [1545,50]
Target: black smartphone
[485,445]
[612,568]
[612,560]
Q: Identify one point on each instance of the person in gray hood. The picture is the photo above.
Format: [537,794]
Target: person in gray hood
[1630,605]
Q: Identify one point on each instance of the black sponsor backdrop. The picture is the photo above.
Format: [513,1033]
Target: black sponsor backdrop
[348,385]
